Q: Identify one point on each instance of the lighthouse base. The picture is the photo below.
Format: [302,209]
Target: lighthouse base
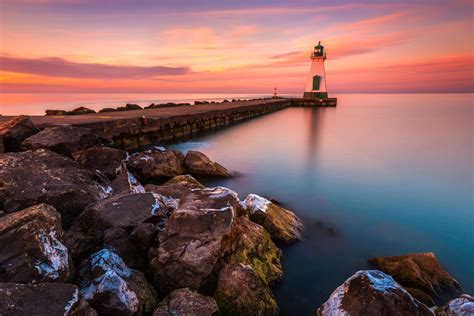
[315,95]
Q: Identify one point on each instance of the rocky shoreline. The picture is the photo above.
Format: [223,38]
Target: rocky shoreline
[87,229]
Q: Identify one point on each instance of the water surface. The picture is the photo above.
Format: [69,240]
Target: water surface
[378,175]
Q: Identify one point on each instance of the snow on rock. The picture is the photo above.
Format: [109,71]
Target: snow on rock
[461,306]
[255,203]
[55,256]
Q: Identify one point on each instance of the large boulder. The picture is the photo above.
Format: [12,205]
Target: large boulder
[422,276]
[283,225]
[31,250]
[156,164]
[196,236]
[63,139]
[43,299]
[126,211]
[176,187]
[81,110]
[187,302]
[15,131]
[41,176]
[112,288]
[240,291]
[104,159]
[461,306]
[199,164]
[371,292]
[125,182]
[256,249]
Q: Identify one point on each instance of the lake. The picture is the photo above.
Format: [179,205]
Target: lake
[379,175]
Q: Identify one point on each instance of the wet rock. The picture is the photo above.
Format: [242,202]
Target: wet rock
[283,225]
[30,247]
[156,164]
[56,112]
[176,187]
[240,291]
[198,234]
[112,288]
[81,110]
[131,107]
[199,164]
[41,176]
[64,139]
[86,235]
[15,131]
[43,299]
[256,249]
[104,159]
[461,306]
[125,182]
[187,302]
[371,292]
[422,276]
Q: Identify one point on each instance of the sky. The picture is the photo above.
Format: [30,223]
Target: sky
[217,46]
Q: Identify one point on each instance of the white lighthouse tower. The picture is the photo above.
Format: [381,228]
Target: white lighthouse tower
[316,83]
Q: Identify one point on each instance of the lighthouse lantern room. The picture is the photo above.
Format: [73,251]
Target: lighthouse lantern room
[316,83]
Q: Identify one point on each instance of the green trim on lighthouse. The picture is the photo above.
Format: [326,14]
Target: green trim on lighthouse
[316,82]
[319,50]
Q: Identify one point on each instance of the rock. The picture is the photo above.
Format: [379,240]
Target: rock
[81,110]
[30,247]
[126,211]
[283,225]
[43,299]
[112,288]
[371,292]
[2,145]
[198,234]
[105,110]
[176,187]
[187,302]
[156,164]
[256,249]
[461,306]
[131,107]
[125,182]
[104,159]
[200,102]
[41,176]
[56,112]
[117,239]
[64,139]
[15,131]
[240,291]
[143,235]
[422,276]
[199,164]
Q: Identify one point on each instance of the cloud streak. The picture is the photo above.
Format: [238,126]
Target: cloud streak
[58,67]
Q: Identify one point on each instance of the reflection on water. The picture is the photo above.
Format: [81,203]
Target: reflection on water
[379,175]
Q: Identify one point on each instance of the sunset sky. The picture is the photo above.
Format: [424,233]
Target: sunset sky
[243,46]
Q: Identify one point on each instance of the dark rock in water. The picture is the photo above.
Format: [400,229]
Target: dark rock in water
[176,187]
[64,139]
[86,235]
[43,299]
[283,225]
[125,182]
[15,131]
[105,110]
[81,110]
[156,164]
[187,302]
[41,176]
[461,306]
[112,288]
[256,249]
[422,276]
[240,291]
[104,159]
[198,234]
[131,107]
[56,112]
[199,164]
[371,292]
[30,247]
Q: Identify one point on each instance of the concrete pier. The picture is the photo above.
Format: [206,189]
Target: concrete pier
[138,128]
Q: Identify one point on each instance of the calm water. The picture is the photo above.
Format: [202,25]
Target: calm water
[392,174]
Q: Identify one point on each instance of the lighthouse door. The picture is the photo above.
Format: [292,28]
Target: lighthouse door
[316,82]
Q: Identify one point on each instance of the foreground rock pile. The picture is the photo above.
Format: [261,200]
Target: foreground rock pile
[91,230]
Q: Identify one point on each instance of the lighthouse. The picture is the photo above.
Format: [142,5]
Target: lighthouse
[316,83]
